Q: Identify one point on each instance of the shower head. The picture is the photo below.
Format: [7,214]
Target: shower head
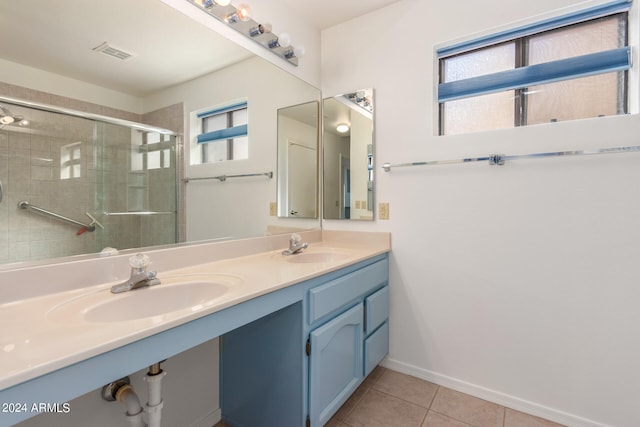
[7,118]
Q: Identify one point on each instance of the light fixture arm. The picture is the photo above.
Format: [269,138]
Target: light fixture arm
[239,19]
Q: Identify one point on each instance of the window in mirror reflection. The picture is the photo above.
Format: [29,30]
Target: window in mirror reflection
[150,150]
[70,158]
[224,133]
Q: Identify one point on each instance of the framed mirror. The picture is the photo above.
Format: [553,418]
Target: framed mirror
[95,58]
[298,161]
[348,152]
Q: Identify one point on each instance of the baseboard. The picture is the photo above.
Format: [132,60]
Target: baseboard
[499,398]
[208,420]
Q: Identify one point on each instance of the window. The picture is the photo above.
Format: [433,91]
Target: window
[565,68]
[150,150]
[224,133]
[70,160]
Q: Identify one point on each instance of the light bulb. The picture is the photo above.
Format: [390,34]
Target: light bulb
[296,52]
[342,128]
[284,40]
[260,29]
[299,51]
[242,13]
[6,120]
[222,2]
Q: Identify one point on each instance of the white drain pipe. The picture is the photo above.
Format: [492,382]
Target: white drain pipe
[124,393]
[128,396]
[154,404]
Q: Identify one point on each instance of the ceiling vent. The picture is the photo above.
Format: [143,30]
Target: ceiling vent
[113,51]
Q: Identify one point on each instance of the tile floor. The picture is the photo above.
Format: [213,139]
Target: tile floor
[388,398]
[391,399]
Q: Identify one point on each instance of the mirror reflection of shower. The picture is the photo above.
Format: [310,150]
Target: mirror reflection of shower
[87,168]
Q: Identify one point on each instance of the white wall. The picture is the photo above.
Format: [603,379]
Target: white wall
[36,79]
[518,284]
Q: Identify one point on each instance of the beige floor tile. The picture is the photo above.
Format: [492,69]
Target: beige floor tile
[377,409]
[435,419]
[468,409]
[407,388]
[515,418]
[374,376]
[335,423]
[351,403]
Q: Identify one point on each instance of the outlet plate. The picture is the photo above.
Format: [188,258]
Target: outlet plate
[273,209]
[383,210]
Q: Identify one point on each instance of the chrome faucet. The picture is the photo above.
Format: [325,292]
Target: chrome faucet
[140,277]
[295,245]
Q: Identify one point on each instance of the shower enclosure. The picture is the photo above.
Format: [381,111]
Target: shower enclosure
[116,178]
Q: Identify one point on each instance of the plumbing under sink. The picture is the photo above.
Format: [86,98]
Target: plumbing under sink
[174,294]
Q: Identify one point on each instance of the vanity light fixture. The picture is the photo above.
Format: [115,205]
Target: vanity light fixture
[362,99]
[7,118]
[208,4]
[342,128]
[259,30]
[242,13]
[297,52]
[283,40]
[239,18]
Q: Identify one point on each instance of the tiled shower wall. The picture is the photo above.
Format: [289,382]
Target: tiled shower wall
[31,169]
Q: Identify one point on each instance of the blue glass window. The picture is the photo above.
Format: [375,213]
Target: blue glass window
[569,67]
[224,134]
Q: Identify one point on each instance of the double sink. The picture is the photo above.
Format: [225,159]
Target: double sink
[180,293]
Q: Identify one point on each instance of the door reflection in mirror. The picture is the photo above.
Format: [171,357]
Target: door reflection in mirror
[298,161]
[348,156]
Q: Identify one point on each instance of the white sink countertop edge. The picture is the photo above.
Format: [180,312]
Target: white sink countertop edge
[33,345]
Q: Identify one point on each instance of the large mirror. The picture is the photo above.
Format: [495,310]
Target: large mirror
[164,70]
[348,156]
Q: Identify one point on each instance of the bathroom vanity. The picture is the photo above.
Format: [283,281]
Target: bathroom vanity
[303,362]
[298,333]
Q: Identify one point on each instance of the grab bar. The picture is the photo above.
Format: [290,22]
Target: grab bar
[83,227]
[499,159]
[223,178]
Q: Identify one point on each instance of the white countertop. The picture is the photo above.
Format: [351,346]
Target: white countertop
[42,334]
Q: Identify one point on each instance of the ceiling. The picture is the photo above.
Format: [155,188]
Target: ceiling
[59,36]
[327,13]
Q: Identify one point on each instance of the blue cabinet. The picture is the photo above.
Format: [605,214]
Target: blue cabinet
[295,367]
[348,318]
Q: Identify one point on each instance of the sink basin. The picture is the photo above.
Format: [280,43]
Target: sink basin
[319,256]
[173,294]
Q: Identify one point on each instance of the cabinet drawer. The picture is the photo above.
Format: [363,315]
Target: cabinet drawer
[377,309]
[376,348]
[332,295]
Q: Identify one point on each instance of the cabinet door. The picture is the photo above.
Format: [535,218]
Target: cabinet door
[335,364]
